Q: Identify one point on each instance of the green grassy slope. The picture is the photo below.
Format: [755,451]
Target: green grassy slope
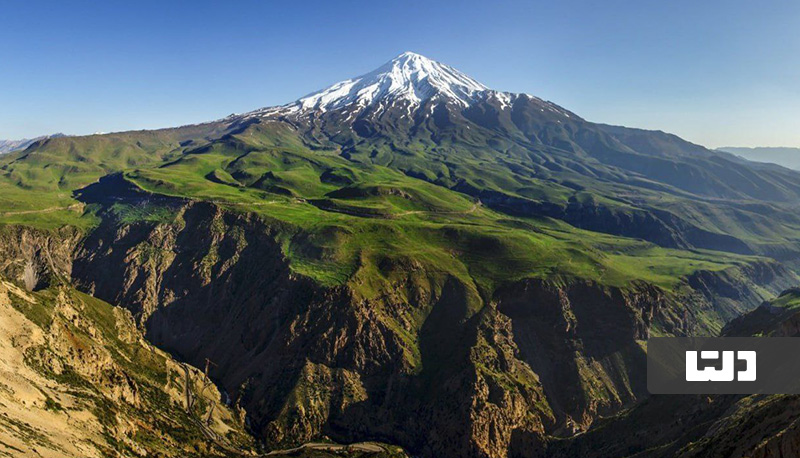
[352,214]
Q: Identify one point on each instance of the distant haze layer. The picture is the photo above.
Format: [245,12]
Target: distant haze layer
[785,156]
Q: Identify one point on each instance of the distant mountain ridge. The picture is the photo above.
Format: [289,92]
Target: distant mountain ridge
[8,146]
[785,156]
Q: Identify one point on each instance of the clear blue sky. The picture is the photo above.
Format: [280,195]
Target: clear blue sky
[715,72]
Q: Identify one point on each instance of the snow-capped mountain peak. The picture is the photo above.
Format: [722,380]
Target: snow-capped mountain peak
[409,77]
[407,82]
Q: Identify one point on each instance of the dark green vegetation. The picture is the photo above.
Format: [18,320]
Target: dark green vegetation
[472,281]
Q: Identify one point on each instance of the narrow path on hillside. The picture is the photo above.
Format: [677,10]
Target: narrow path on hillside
[254,204]
[415,212]
[358,447]
[43,210]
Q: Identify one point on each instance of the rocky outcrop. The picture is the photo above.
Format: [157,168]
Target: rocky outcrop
[215,285]
[730,292]
[48,252]
[754,427]
[705,425]
[308,360]
[585,343]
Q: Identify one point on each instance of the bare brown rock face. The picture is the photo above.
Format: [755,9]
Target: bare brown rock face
[78,379]
[312,360]
[48,253]
[585,342]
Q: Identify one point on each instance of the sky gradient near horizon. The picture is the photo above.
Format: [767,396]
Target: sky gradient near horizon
[714,72]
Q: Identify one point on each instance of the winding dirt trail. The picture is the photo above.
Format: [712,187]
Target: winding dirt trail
[43,210]
[360,447]
[433,212]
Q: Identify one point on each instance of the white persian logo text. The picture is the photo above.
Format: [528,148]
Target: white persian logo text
[726,373]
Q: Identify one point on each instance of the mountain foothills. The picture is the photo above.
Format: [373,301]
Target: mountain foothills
[784,156]
[407,257]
